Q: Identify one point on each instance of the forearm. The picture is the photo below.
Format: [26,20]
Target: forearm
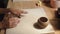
[4,25]
[1,25]
[4,10]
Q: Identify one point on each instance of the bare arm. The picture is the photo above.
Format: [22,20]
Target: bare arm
[4,10]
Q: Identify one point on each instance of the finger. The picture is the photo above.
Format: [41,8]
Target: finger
[24,12]
[18,11]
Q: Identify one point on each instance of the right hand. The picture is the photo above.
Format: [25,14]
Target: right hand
[13,22]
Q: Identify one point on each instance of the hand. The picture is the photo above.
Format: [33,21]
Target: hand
[13,22]
[18,12]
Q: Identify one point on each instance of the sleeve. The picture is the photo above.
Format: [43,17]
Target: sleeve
[3,3]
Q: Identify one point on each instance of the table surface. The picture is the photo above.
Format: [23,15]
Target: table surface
[27,21]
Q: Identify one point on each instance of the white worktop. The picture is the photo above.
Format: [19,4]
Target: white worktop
[26,23]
